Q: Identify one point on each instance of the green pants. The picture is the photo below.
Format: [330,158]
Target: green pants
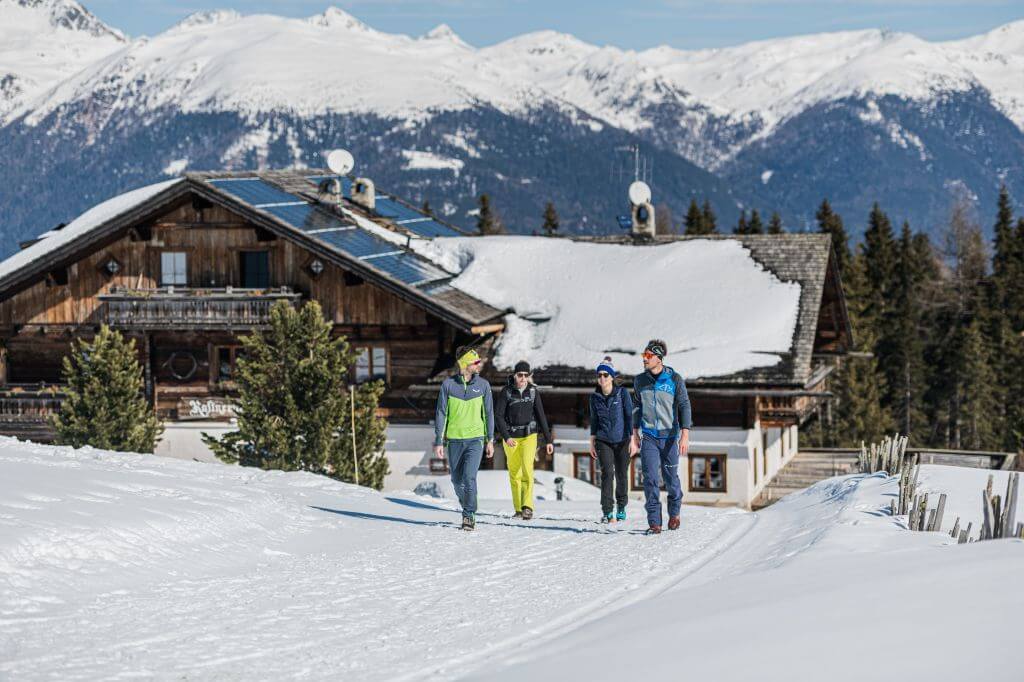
[520,470]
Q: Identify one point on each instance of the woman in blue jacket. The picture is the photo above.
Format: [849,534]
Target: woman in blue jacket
[611,428]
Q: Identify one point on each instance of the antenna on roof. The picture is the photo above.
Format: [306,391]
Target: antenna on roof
[341,161]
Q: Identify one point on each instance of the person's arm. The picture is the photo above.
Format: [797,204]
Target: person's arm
[499,414]
[489,412]
[440,418]
[627,411]
[593,417]
[542,419]
[685,415]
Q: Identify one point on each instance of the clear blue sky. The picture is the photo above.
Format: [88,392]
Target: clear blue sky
[633,24]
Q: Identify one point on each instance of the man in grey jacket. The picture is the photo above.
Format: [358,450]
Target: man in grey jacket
[661,432]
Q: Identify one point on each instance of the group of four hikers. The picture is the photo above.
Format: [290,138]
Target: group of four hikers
[656,425]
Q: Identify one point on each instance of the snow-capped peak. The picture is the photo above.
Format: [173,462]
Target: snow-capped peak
[44,41]
[335,17]
[59,14]
[206,18]
[444,32]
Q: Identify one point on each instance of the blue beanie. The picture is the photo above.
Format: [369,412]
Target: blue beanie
[607,366]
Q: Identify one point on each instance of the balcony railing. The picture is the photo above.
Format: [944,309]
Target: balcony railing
[177,308]
[25,412]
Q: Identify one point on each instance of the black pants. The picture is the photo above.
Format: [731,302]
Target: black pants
[613,459]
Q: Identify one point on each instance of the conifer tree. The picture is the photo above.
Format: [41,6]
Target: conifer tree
[486,220]
[550,225]
[755,226]
[899,349]
[294,408]
[829,222]
[427,208]
[775,224]
[709,221]
[741,224]
[879,250]
[104,405]
[694,220]
[974,424]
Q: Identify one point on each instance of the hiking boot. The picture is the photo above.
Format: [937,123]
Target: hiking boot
[527,513]
[654,530]
[607,517]
[673,523]
[468,523]
[517,515]
[621,515]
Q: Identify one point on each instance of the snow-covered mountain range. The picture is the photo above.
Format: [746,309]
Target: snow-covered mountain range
[857,116]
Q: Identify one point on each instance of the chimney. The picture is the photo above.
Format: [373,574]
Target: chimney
[363,193]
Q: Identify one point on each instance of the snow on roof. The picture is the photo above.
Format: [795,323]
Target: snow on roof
[574,302]
[83,224]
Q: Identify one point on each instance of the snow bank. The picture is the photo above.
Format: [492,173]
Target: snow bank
[823,586]
[88,221]
[575,302]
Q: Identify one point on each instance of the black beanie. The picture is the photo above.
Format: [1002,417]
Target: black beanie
[522,366]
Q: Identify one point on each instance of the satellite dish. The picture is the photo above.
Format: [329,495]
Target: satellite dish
[341,161]
[639,193]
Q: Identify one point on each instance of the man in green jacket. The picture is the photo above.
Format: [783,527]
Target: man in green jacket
[464,421]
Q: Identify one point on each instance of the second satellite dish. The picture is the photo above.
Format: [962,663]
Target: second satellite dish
[639,193]
[341,161]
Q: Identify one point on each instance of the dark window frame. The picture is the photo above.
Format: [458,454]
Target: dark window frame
[243,255]
[723,463]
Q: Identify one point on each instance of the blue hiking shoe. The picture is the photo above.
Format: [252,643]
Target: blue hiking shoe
[621,515]
[607,518]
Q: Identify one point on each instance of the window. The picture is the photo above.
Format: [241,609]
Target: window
[371,363]
[255,269]
[583,467]
[764,452]
[173,269]
[707,473]
[227,357]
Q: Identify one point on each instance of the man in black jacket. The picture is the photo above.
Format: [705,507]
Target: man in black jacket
[519,416]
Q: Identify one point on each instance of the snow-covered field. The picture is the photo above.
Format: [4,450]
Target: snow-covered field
[118,565]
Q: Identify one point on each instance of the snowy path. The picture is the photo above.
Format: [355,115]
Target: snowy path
[119,565]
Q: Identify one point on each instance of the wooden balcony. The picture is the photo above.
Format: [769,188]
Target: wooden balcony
[178,308]
[25,411]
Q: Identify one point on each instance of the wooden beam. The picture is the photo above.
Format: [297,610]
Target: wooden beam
[488,328]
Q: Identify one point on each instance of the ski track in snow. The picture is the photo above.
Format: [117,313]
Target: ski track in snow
[122,565]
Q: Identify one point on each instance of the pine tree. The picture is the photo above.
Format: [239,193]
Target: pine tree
[741,224]
[550,225]
[975,423]
[294,409]
[775,224]
[427,208]
[104,405]
[694,220]
[829,222]
[487,221]
[755,226]
[709,222]
[899,349]
[879,250]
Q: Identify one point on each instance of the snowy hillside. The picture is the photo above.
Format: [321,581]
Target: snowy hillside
[134,565]
[42,42]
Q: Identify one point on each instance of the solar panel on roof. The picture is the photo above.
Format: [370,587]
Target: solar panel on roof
[306,217]
[408,268]
[358,242]
[389,208]
[254,191]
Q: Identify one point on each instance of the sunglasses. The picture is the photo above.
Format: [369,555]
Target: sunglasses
[648,355]
[603,375]
[523,375]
